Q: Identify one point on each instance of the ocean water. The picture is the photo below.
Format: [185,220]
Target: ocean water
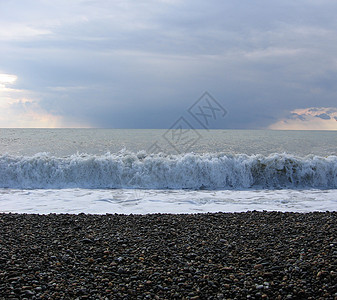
[166,171]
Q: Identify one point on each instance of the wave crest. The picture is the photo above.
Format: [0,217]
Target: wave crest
[160,171]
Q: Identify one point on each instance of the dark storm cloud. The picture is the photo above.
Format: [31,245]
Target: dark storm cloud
[126,64]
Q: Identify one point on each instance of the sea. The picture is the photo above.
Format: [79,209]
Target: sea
[176,170]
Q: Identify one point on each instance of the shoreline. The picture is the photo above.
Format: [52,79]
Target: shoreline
[250,255]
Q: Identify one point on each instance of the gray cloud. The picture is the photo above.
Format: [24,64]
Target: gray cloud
[295,116]
[125,64]
[323,116]
[313,118]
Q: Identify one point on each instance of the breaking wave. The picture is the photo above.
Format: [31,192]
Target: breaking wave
[160,171]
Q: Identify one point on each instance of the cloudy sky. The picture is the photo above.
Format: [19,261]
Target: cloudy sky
[142,64]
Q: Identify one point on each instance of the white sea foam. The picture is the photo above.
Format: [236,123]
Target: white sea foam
[127,201]
[160,171]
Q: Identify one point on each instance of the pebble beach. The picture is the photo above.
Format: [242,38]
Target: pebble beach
[251,255]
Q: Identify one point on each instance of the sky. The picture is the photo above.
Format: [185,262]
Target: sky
[143,64]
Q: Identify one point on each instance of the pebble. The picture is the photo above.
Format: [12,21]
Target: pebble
[252,255]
